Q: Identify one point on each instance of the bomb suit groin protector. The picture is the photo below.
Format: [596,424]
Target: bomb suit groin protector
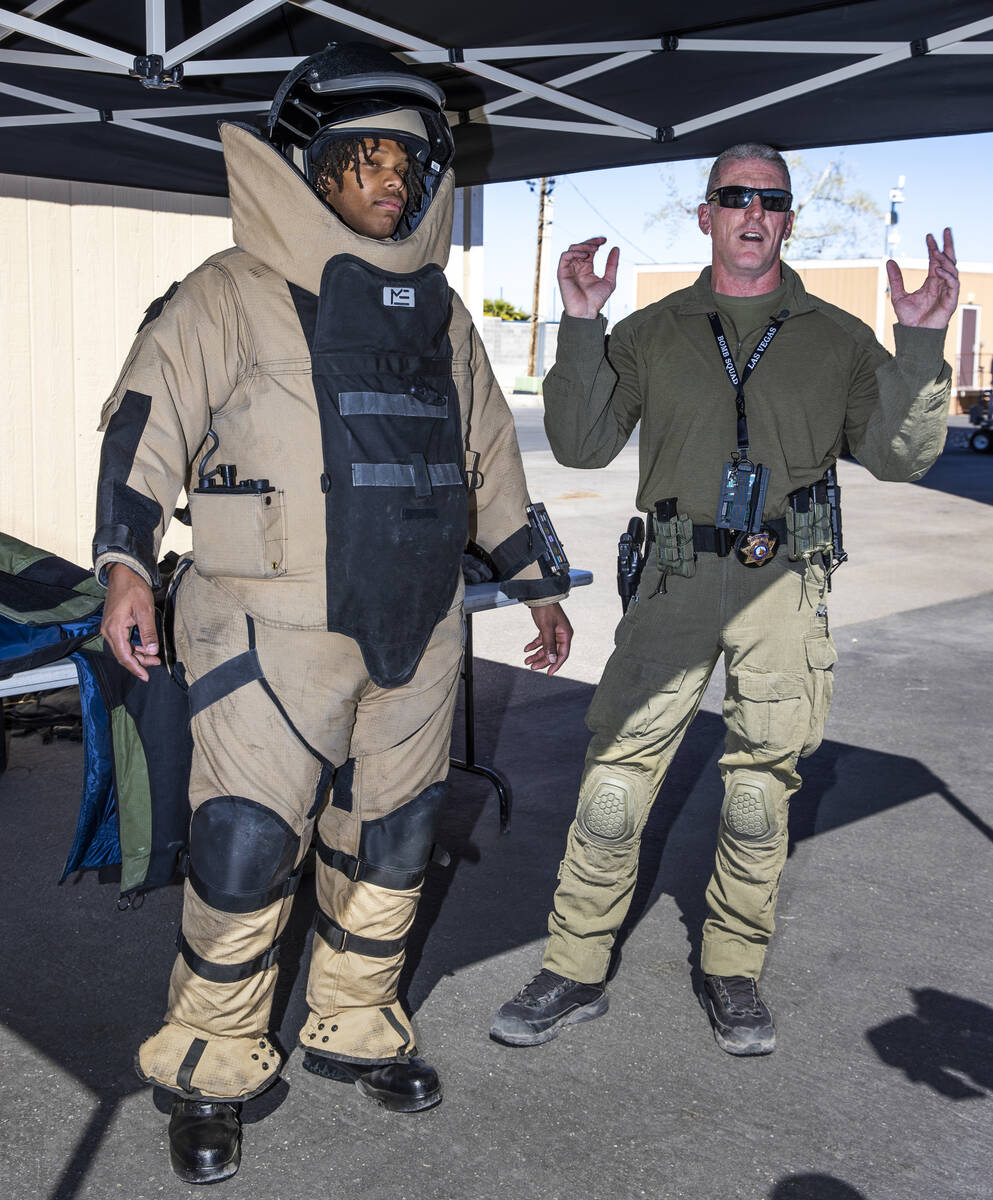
[319,391]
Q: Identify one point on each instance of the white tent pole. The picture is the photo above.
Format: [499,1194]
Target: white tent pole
[366,25]
[854,49]
[563,126]
[59,37]
[220,29]
[48,101]
[155,31]
[175,135]
[964,48]
[562,99]
[38,9]
[783,46]
[50,119]
[608,64]
[557,50]
[238,66]
[62,62]
[178,111]
[822,81]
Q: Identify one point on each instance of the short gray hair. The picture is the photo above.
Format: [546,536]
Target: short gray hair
[743,152]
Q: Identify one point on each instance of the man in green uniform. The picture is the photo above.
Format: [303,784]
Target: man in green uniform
[745,387]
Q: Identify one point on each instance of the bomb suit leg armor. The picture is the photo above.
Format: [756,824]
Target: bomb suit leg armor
[266,744]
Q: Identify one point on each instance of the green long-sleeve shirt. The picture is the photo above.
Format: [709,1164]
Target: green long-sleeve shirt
[823,377]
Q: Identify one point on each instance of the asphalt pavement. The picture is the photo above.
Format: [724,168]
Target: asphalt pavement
[881,1087]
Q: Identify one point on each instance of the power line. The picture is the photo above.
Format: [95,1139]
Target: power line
[623,237]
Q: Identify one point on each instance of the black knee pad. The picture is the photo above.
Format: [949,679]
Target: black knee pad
[241,854]
[402,840]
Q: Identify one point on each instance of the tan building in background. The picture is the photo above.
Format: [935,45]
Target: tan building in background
[860,286]
[79,264]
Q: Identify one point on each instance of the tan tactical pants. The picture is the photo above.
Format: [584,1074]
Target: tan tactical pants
[277,714]
[771,625]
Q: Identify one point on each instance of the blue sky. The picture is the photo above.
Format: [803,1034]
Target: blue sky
[948,182]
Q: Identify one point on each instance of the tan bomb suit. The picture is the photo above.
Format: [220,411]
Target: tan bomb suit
[823,376]
[281,703]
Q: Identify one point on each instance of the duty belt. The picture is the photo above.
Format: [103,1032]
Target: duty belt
[711,540]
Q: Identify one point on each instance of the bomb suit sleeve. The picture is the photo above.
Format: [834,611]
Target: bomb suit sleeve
[183,365]
[498,520]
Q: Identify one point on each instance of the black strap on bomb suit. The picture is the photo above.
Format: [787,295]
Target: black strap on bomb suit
[395,492]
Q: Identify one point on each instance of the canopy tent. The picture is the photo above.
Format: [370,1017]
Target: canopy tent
[113,91]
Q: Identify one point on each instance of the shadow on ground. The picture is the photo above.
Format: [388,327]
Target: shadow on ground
[961,471]
[84,983]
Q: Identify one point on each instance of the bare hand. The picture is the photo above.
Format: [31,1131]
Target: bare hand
[932,305]
[584,292]
[554,639]
[130,603]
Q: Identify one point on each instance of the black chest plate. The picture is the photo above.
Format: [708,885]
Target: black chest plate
[396,500]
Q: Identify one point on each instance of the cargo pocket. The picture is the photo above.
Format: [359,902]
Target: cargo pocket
[632,695]
[239,534]
[821,657]
[764,708]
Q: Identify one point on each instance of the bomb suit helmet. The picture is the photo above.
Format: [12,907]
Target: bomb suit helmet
[356,89]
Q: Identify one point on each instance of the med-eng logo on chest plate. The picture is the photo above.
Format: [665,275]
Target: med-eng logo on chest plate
[398,297]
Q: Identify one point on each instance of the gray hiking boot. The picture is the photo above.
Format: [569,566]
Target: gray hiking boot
[742,1022]
[544,1006]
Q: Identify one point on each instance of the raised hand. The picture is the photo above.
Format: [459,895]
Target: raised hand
[584,292]
[932,305]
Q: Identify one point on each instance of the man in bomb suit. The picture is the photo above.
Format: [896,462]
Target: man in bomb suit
[746,388]
[328,403]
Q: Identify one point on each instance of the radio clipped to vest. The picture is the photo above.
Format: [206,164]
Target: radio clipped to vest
[238,524]
[224,477]
[744,483]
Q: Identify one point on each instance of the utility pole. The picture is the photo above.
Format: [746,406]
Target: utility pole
[545,187]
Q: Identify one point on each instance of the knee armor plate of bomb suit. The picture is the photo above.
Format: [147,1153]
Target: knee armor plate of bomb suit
[319,624]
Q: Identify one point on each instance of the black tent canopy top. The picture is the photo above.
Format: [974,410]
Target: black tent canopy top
[115,91]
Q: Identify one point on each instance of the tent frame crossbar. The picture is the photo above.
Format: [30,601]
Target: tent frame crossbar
[88,55]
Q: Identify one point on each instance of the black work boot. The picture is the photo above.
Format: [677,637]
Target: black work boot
[544,1006]
[742,1022]
[204,1140]
[408,1085]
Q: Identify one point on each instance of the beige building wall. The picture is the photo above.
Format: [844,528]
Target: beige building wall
[860,286]
[79,264]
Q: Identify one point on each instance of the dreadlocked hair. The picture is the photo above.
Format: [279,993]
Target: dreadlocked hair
[348,154]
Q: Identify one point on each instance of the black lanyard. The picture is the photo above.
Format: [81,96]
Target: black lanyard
[732,372]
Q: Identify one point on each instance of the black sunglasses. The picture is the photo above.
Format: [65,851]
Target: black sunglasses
[736,196]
